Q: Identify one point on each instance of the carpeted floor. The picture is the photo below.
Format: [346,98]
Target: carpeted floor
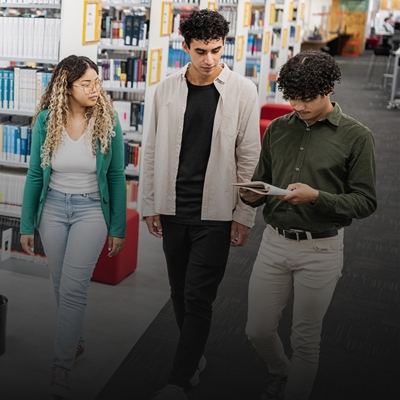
[360,344]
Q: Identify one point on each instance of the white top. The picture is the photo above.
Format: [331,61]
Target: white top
[73,167]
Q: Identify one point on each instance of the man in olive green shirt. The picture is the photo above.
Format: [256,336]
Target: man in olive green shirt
[326,159]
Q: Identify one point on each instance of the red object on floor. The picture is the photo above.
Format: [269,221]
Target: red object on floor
[271,111]
[113,270]
[372,42]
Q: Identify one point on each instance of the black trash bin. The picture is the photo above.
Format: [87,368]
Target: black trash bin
[3,323]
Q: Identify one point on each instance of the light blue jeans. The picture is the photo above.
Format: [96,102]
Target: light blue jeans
[73,232]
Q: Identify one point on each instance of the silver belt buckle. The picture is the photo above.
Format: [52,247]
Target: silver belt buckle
[291,232]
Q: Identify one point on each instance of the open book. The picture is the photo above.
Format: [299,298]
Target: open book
[262,188]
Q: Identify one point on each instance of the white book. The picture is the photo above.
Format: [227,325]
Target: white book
[48,38]
[56,43]
[32,89]
[36,33]
[20,47]
[40,36]
[6,40]
[14,37]
[1,35]
[28,37]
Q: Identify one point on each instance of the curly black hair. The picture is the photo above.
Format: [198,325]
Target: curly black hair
[204,25]
[307,75]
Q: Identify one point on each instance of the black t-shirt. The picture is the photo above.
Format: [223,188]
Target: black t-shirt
[195,151]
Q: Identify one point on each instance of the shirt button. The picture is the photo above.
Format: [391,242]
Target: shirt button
[301,148]
[297,169]
[290,208]
[307,129]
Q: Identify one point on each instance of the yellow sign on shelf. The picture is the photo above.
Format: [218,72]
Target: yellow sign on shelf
[166,18]
[298,30]
[290,15]
[247,14]
[239,47]
[155,66]
[284,37]
[212,5]
[272,13]
[302,9]
[91,21]
[267,41]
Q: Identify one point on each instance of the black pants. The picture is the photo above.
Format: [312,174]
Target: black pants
[196,258]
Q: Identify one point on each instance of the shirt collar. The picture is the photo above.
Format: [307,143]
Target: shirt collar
[333,117]
[221,78]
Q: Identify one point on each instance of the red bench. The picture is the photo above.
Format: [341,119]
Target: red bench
[113,270]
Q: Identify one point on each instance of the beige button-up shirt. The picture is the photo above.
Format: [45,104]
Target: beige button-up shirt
[235,147]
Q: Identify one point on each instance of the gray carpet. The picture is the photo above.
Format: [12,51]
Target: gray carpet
[360,345]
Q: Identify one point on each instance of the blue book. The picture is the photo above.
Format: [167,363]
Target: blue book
[6,87]
[11,90]
[1,87]
[28,145]
[24,142]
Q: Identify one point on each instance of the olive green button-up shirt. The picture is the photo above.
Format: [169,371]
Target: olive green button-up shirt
[334,156]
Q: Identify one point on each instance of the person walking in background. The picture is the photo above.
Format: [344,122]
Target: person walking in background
[203,135]
[326,159]
[75,192]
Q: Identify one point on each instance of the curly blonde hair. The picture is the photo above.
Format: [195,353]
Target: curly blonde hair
[55,99]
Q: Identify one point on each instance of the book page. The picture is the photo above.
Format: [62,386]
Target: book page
[262,188]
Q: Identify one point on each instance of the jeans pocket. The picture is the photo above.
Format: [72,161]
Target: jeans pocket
[328,245]
[95,196]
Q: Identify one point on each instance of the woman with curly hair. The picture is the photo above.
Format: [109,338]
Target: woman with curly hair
[326,159]
[75,193]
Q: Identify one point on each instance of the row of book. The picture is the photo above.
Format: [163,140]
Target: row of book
[129,73]
[16,248]
[131,30]
[33,2]
[130,114]
[254,45]
[230,15]
[15,142]
[12,183]
[22,87]
[132,188]
[132,157]
[37,38]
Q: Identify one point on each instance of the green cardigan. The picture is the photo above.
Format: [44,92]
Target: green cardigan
[110,177]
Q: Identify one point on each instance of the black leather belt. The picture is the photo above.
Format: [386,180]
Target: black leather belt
[303,236]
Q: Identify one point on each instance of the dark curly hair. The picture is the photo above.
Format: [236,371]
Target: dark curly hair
[307,75]
[204,25]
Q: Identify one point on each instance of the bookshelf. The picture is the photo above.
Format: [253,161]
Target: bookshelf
[149,53]
[278,30]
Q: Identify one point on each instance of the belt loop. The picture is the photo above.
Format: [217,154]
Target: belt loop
[297,236]
[309,235]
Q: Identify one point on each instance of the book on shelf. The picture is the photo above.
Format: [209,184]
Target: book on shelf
[132,157]
[15,142]
[263,188]
[132,187]
[35,37]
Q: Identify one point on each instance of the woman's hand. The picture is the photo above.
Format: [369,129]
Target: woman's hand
[27,243]
[115,245]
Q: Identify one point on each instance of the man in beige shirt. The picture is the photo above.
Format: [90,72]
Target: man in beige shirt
[203,136]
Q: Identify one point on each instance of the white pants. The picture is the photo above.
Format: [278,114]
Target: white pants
[309,268]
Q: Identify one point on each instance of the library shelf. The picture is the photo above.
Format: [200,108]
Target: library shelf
[31,5]
[7,111]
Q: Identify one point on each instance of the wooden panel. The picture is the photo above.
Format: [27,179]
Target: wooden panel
[351,22]
[394,5]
